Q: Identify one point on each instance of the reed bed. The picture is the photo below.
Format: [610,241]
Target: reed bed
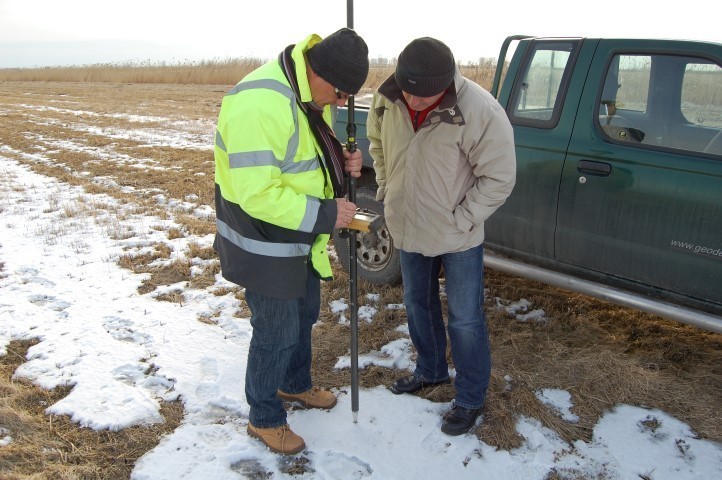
[210,72]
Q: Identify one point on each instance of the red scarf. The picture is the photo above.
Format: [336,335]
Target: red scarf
[418,117]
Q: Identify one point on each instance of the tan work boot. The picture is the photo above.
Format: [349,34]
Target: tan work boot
[314,398]
[280,439]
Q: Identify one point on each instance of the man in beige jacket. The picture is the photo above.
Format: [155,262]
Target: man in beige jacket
[444,158]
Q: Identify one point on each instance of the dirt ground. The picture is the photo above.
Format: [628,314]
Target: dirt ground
[602,354]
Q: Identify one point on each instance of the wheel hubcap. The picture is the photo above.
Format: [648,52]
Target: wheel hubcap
[373,250]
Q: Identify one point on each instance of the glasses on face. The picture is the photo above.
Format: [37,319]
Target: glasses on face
[341,95]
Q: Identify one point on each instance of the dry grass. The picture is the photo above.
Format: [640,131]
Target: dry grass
[602,354]
[215,72]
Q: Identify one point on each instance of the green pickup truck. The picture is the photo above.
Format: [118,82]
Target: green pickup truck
[619,181]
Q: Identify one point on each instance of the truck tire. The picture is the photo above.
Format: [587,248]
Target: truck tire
[377,258]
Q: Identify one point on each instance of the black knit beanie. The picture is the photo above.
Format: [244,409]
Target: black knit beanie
[425,67]
[342,59]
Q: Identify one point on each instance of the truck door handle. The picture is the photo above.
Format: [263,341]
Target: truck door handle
[589,167]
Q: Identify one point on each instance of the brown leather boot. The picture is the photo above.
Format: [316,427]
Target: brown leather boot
[314,398]
[280,439]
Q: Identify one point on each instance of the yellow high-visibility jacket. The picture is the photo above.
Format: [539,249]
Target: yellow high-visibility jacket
[274,201]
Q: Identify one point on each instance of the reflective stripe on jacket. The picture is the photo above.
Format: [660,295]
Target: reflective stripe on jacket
[274,203]
[440,183]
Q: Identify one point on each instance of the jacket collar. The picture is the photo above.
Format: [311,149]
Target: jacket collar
[299,58]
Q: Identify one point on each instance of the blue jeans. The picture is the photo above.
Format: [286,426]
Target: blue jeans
[464,274]
[280,352]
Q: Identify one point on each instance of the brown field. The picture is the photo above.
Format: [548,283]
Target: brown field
[601,353]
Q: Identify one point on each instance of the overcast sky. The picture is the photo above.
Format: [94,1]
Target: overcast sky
[81,32]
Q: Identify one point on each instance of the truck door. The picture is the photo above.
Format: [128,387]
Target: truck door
[541,97]
[641,190]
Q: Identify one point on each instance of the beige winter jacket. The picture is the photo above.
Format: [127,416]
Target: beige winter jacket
[441,183]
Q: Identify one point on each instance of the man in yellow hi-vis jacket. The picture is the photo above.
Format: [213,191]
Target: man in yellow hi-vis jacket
[279,195]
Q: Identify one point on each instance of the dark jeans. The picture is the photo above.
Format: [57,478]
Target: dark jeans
[280,352]
[464,275]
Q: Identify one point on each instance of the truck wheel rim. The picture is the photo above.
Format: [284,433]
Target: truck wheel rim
[374,258]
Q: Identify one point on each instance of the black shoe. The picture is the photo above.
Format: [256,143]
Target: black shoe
[411,384]
[459,420]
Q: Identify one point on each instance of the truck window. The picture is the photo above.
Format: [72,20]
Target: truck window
[702,94]
[663,101]
[536,98]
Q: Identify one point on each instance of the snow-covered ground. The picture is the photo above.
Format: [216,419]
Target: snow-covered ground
[123,352]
